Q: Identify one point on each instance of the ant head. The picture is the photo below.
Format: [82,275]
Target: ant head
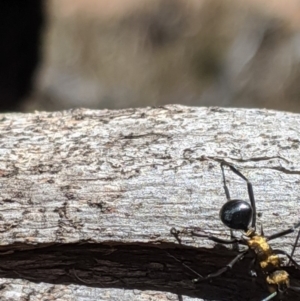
[236,214]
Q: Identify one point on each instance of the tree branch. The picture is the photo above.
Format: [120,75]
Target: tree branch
[88,199]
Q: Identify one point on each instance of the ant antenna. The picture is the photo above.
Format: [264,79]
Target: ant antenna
[294,247]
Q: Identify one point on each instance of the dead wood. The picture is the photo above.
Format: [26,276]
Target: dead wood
[88,199]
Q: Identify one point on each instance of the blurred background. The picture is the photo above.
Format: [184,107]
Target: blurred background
[60,54]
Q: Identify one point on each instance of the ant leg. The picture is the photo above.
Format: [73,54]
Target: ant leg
[219,240]
[222,270]
[186,266]
[294,247]
[283,233]
[252,272]
[235,246]
[250,191]
[288,256]
[295,288]
[175,233]
[270,297]
[262,230]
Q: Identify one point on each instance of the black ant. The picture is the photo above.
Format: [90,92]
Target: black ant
[237,214]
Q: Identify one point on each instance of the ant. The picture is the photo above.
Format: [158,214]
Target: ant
[237,214]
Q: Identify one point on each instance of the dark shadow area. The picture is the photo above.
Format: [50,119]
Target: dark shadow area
[20,29]
[138,267]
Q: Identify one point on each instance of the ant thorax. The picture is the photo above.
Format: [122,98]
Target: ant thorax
[267,259]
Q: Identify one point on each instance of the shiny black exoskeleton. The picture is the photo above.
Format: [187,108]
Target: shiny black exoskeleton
[236,214]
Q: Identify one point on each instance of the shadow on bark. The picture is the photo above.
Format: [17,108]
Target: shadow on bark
[139,267]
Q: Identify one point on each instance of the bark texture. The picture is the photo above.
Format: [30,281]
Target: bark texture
[88,199]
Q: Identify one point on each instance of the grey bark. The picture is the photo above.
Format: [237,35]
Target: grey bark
[88,199]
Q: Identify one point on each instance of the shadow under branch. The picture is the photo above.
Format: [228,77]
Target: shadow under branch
[138,267]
